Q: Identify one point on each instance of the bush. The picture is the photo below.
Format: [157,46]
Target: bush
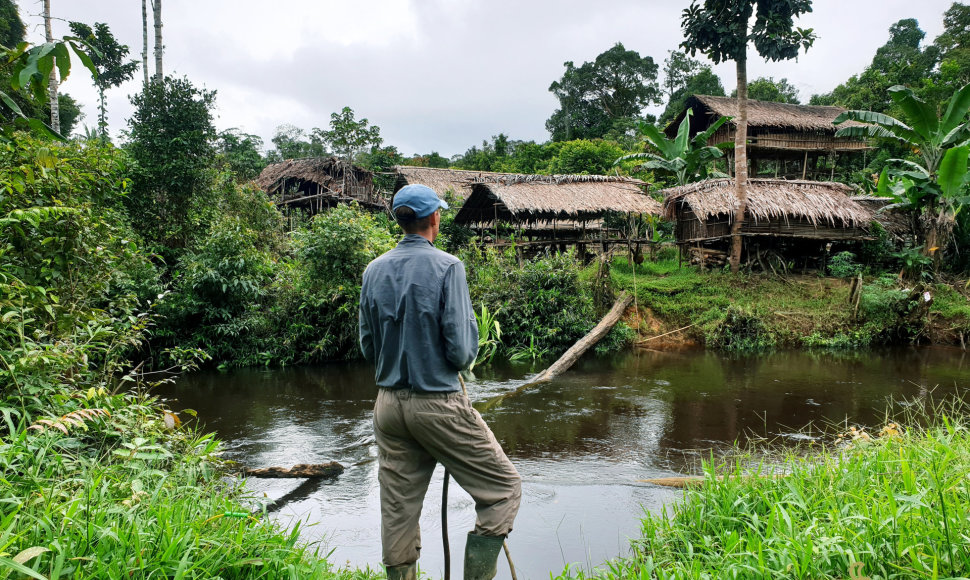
[541,305]
[843,265]
[740,331]
[74,287]
[317,295]
[216,285]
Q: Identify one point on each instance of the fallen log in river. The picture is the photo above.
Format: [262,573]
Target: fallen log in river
[575,351]
[332,469]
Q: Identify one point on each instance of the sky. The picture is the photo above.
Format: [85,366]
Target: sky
[434,75]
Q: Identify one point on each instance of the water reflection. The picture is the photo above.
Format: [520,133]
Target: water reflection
[581,443]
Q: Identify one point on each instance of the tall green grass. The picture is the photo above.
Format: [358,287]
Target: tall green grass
[122,496]
[889,506]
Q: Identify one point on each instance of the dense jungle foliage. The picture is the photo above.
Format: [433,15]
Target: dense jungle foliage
[121,266]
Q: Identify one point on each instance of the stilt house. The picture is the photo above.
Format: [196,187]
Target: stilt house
[802,214]
[316,183]
[556,211]
[795,137]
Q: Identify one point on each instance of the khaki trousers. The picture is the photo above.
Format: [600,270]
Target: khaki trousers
[416,431]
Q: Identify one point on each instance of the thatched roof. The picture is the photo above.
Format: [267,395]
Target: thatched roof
[899,223]
[457,181]
[819,202]
[762,114]
[320,170]
[530,198]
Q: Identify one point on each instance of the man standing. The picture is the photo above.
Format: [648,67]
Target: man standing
[418,326]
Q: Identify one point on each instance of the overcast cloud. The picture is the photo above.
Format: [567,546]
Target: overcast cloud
[436,75]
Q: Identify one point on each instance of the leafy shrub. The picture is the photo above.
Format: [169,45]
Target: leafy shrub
[740,331]
[340,243]
[317,295]
[541,305]
[620,337]
[216,284]
[584,157]
[74,287]
[843,265]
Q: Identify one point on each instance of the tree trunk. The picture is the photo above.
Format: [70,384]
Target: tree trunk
[144,39]
[592,337]
[740,163]
[52,87]
[159,47]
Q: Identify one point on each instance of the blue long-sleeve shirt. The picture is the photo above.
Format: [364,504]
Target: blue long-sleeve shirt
[416,318]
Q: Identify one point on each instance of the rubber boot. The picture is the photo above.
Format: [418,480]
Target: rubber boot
[402,572]
[481,556]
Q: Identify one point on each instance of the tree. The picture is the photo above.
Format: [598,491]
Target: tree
[953,45]
[348,136]
[433,159]
[616,86]
[380,161]
[69,112]
[678,70]
[241,153]
[901,61]
[159,47]
[705,82]
[144,39]
[170,142]
[12,30]
[109,60]
[685,158]
[719,29]
[52,76]
[766,89]
[291,142]
[936,188]
[27,71]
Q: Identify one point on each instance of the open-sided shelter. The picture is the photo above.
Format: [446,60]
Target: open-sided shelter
[776,208]
[316,183]
[795,135]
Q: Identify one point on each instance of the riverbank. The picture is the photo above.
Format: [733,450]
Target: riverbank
[682,306]
[888,504]
[112,488]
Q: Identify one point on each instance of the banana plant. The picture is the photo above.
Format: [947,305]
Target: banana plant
[927,132]
[30,69]
[937,188]
[687,159]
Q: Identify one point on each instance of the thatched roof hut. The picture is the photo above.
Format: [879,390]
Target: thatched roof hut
[777,127]
[703,211]
[528,199]
[317,182]
[457,182]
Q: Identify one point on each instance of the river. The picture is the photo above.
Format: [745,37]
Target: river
[581,443]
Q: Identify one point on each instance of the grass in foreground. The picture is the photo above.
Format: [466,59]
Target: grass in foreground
[895,505]
[93,495]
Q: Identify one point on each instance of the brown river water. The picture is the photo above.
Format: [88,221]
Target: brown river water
[581,443]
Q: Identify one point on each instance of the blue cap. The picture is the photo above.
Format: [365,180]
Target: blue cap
[421,198]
